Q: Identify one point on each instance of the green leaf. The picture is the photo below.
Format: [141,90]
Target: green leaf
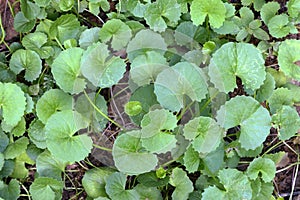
[214,9]
[127,149]
[94,181]
[4,141]
[288,55]
[26,60]
[262,166]
[10,191]
[53,101]
[88,37]
[257,4]
[35,42]
[261,34]
[266,89]
[247,16]
[261,190]
[20,171]
[236,184]
[37,135]
[287,122]
[185,33]
[253,119]
[66,5]
[48,166]
[151,180]
[7,168]
[145,68]
[278,26]
[204,133]
[16,148]
[174,83]
[237,60]
[61,142]
[100,68]
[279,98]
[133,108]
[116,31]
[115,188]
[22,24]
[29,9]
[145,40]
[149,193]
[65,27]
[1,161]
[293,8]
[66,70]
[183,185]
[158,12]
[42,3]
[191,160]
[46,188]
[268,11]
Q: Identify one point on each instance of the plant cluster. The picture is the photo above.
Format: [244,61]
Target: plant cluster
[202,98]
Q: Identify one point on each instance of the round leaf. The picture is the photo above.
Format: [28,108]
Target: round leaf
[288,56]
[278,26]
[183,185]
[66,70]
[61,142]
[127,149]
[100,68]
[46,188]
[237,60]
[254,120]
[264,166]
[10,191]
[52,101]
[26,60]
[174,83]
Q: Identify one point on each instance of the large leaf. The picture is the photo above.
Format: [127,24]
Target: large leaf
[10,191]
[261,190]
[66,70]
[100,68]
[157,12]
[214,9]
[234,60]
[183,185]
[263,166]
[46,188]
[61,142]
[128,149]
[115,188]
[48,166]
[145,68]
[52,101]
[26,60]
[174,83]
[94,181]
[145,40]
[236,184]
[287,122]
[10,96]
[288,55]
[253,119]
[116,31]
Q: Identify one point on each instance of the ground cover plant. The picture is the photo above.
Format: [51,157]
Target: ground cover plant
[166,99]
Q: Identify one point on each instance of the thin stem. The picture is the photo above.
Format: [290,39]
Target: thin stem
[102,148]
[295,178]
[272,148]
[101,113]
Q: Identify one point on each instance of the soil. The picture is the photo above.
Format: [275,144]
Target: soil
[283,181]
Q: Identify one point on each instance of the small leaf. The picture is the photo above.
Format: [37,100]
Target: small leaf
[116,31]
[254,120]
[191,160]
[61,142]
[293,8]
[288,55]
[278,26]
[237,60]
[183,185]
[88,37]
[151,180]
[94,181]
[4,141]
[185,33]
[287,122]
[30,9]
[115,188]
[261,190]
[205,134]
[263,166]
[66,5]
[174,83]
[269,10]
[37,135]
[265,90]
[26,60]
[52,101]
[128,149]
[10,191]
[133,108]
[156,13]
[16,148]
[66,70]
[46,188]
[214,9]
[22,24]
[279,98]
[148,193]
[102,69]
[48,166]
